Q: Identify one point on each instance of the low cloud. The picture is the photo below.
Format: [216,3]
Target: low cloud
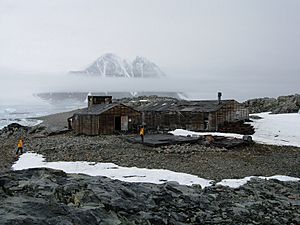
[20,88]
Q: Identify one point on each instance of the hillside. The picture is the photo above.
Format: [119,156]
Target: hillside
[111,65]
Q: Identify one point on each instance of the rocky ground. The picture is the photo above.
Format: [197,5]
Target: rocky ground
[206,162]
[50,197]
[210,163]
[43,196]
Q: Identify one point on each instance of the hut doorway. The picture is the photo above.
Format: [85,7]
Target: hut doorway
[118,123]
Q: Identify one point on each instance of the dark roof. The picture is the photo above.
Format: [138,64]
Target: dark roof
[164,105]
[98,109]
[186,106]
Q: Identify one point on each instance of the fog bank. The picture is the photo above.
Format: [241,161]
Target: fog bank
[19,88]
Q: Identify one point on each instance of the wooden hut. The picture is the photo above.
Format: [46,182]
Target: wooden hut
[205,115]
[104,117]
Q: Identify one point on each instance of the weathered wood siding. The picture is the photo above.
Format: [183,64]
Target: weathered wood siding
[95,100]
[199,121]
[107,119]
[85,124]
[230,112]
[174,120]
[104,123]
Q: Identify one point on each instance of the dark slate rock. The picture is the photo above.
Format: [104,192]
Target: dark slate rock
[283,104]
[45,196]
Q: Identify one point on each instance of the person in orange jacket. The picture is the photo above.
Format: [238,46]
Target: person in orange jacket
[142,133]
[20,146]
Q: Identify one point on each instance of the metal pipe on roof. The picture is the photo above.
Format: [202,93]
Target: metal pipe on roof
[219,97]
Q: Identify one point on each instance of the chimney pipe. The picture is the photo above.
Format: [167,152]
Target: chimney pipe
[219,97]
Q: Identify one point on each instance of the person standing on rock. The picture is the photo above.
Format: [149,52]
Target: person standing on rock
[142,133]
[20,147]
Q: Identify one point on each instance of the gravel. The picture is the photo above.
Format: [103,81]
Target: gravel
[210,163]
[205,162]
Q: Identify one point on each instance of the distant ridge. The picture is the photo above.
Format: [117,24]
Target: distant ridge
[80,97]
[111,65]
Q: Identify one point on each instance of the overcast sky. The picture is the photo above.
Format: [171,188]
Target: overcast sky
[234,39]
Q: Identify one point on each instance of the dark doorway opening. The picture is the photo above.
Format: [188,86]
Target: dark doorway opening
[118,123]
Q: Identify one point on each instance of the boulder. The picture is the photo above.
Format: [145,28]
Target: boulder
[46,196]
[14,127]
[283,104]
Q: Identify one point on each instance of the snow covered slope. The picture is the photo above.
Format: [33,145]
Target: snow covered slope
[142,67]
[111,65]
[277,129]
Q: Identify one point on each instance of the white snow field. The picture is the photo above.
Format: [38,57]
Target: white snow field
[129,174]
[111,170]
[273,129]
[277,129]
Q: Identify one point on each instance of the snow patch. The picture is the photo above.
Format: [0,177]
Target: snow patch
[277,129]
[181,132]
[129,174]
[236,183]
[111,170]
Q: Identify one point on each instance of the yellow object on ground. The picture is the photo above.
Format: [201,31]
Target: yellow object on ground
[20,144]
[142,131]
